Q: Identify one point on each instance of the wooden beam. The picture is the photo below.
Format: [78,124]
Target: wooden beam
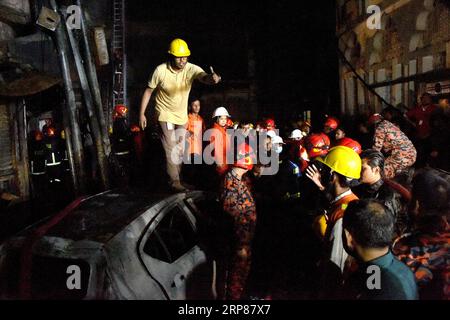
[13,16]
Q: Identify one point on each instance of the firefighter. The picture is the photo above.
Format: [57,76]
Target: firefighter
[38,155]
[122,144]
[193,164]
[238,202]
[347,142]
[269,124]
[390,140]
[296,135]
[54,154]
[330,125]
[220,140]
[316,145]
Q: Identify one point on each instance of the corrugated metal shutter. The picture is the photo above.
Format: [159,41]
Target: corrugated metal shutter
[6,166]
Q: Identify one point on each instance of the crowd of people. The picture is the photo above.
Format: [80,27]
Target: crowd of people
[356,213]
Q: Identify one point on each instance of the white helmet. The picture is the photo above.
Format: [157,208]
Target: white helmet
[221,111]
[295,134]
[271,133]
[277,139]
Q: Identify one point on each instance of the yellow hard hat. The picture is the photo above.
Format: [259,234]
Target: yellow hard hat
[179,48]
[343,160]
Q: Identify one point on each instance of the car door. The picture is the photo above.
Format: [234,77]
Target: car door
[172,256]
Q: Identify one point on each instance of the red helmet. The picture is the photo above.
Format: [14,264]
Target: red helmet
[326,138]
[244,157]
[49,131]
[135,128]
[229,123]
[317,144]
[120,110]
[331,122]
[270,124]
[347,142]
[375,118]
[37,135]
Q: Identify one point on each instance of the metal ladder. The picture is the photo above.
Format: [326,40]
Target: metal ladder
[119,60]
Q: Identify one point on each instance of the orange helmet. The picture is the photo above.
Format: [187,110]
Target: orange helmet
[347,142]
[331,122]
[244,157]
[317,144]
[49,131]
[229,123]
[120,110]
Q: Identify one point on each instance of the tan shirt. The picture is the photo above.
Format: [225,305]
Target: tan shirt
[172,91]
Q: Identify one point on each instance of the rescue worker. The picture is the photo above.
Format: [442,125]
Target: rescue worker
[296,135]
[38,156]
[239,204]
[195,129]
[342,165]
[269,124]
[316,145]
[121,145]
[53,154]
[297,152]
[330,125]
[400,151]
[347,142]
[220,140]
[172,82]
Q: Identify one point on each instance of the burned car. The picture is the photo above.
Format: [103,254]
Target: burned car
[116,245]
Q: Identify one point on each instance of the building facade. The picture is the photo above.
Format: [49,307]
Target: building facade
[393,62]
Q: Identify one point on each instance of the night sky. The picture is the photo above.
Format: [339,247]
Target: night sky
[294,44]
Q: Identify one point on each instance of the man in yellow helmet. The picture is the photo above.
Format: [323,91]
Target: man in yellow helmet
[172,81]
[341,166]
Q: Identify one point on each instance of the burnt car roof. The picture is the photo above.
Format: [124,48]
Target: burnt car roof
[102,216]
